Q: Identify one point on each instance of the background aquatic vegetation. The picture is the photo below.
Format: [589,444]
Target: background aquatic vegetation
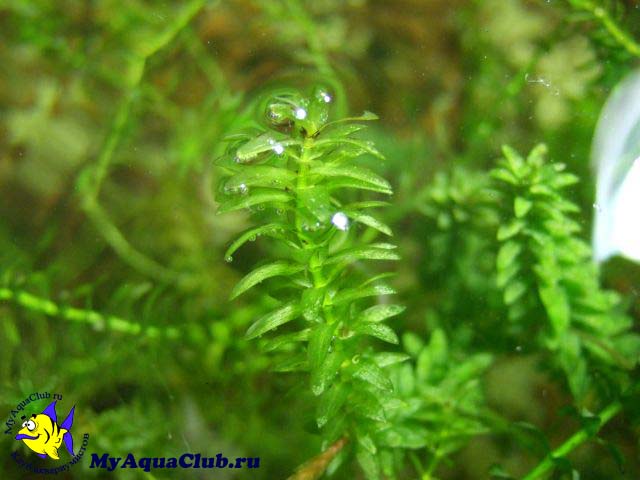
[113,284]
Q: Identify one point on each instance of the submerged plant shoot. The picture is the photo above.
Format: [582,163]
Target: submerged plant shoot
[223,264]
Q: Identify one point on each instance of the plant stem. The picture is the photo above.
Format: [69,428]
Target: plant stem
[43,306]
[577,439]
[90,203]
[603,16]
[314,468]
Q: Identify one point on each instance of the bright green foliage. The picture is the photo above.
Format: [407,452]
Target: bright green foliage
[549,283]
[441,399]
[301,172]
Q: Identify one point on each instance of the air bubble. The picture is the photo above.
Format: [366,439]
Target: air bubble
[340,221]
[300,113]
[229,259]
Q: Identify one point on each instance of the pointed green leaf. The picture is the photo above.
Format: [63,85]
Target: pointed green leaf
[260,176]
[264,143]
[271,230]
[370,221]
[273,320]
[378,330]
[354,172]
[369,464]
[344,182]
[405,436]
[350,294]
[254,197]
[330,403]
[362,253]
[264,272]
[324,374]
[287,339]
[509,230]
[379,313]
[292,363]
[521,206]
[374,375]
[319,345]
[514,291]
[508,253]
[365,441]
[385,359]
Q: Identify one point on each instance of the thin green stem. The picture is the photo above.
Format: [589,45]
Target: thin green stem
[574,441]
[623,38]
[94,319]
[90,203]
[126,251]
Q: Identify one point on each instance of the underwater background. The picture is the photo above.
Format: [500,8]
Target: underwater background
[114,286]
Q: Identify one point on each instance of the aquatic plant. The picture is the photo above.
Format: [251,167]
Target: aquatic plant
[301,169]
[516,355]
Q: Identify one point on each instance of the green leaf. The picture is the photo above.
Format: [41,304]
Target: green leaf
[357,184]
[366,204]
[378,313]
[283,340]
[377,330]
[365,145]
[319,344]
[521,206]
[370,221]
[509,230]
[264,272]
[260,176]
[273,320]
[374,375]
[353,172]
[515,289]
[367,405]
[507,254]
[292,363]
[369,464]
[405,436]
[330,403]
[324,374]
[385,359]
[365,441]
[350,294]
[264,143]
[271,230]
[367,116]
[255,197]
[362,253]
[557,306]
[504,175]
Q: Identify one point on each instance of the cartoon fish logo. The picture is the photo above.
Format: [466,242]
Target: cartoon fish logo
[42,434]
